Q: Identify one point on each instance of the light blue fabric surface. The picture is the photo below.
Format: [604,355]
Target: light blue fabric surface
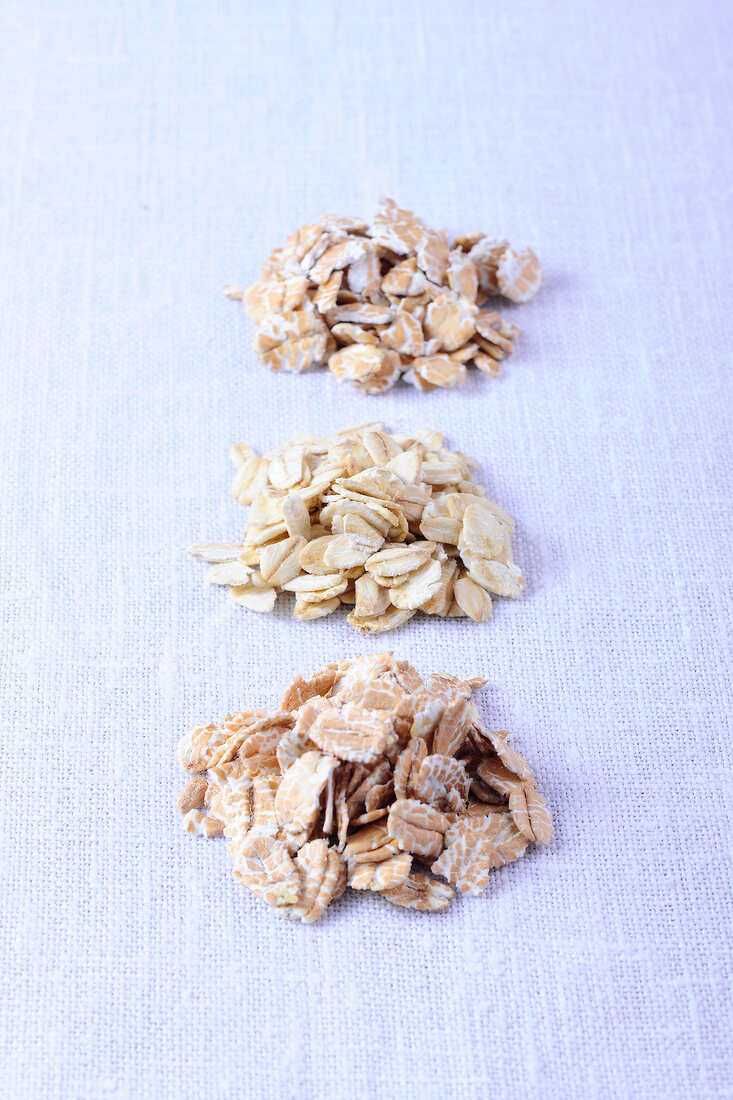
[153,153]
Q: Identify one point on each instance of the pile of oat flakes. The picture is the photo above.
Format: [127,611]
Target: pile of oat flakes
[365,776]
[388,300]
[387,524]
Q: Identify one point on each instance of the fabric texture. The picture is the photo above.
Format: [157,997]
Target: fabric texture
[155,152]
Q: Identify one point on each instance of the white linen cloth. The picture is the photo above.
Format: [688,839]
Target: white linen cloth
[153,153]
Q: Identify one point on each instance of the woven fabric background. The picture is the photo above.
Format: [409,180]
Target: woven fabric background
[154,152]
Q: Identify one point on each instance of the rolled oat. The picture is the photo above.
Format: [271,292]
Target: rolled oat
[367,776]
[388,525]
[390,300]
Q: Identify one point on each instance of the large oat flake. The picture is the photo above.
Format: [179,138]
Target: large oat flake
[366,776]
[387,525]
[385,301]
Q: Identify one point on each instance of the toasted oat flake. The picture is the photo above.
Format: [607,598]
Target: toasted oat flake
[193,795]
[420,891]
[380,876]
[388,300]
[369,776]
[474,846]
